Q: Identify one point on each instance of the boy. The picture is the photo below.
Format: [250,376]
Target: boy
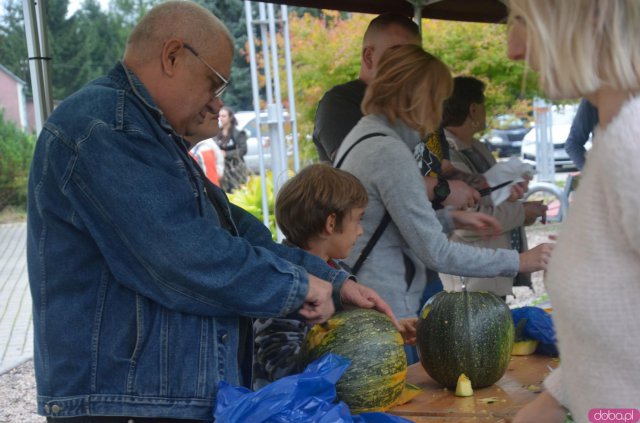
[318,210]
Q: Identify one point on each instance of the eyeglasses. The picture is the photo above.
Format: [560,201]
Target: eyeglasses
[225,82]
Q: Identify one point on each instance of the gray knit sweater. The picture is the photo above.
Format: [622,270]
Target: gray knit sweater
[416,237]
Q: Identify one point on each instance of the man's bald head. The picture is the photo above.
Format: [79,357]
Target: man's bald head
[385,31]
[184,20]
[182,54]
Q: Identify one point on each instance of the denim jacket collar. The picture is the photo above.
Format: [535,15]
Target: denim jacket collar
[129,81]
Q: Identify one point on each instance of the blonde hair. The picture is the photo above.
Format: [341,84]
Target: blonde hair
[316,192]
[410,85]
[179,19]
[582,45]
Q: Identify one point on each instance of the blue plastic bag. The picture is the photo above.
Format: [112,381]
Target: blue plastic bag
[539,326]
[306,397]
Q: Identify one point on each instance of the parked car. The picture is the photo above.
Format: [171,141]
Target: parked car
[247,123]
[561,120]
[506,134]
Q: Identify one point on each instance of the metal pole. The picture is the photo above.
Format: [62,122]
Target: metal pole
[279,164]
[292,97]
[45,64]
[264,37]
[256,108]
[35,23]
[278,152]
[545,163]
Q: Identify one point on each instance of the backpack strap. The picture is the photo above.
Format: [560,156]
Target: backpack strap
[358,141]
[383,223]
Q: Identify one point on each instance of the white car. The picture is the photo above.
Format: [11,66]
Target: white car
[561,120]
[247,123]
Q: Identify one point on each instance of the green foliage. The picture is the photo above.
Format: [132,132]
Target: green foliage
[16,149]
[249,197]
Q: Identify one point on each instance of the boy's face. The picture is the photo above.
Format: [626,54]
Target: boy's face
[341,242]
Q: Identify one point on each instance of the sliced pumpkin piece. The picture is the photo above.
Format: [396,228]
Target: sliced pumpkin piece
[463,387]
[526,347]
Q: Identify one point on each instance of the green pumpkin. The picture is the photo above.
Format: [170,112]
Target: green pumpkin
[376,377]
[465,332]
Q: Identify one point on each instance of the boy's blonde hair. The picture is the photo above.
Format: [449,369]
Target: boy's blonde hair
[582,45]
[317,191]
[410,85]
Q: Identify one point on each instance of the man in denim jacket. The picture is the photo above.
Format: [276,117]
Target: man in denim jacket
[143,276]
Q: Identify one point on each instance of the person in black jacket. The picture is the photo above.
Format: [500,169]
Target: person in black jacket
[234,144]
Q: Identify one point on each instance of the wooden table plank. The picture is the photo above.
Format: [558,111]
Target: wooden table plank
[512,392]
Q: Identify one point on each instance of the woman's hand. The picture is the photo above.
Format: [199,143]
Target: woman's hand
[544,408]
[482,224]
[461,195]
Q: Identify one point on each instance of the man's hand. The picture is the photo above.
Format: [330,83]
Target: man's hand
[545,408]
[536,259]
[318,305]
[533,210]
[358,295]
[518,190]
[482,224]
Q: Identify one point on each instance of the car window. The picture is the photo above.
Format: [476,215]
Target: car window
[250,128]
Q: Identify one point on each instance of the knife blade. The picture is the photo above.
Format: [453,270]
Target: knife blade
[486,191]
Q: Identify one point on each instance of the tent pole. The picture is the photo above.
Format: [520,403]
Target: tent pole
[36,29]
[256,106]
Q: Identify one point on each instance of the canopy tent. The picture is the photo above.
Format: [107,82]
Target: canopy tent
[460,10]
[489,11]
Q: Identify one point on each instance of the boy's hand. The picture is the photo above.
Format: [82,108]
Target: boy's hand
[536,258]
[358,295]
[408,328]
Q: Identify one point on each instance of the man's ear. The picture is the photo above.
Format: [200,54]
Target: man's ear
[170,51]
[330,224]
[367,57]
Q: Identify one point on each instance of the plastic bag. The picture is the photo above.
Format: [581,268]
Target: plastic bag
[539,326]
[305,397]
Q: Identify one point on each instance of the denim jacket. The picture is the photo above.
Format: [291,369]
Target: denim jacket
[138,292]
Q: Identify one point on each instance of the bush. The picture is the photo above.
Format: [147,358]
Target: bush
[249,197]
[16,149]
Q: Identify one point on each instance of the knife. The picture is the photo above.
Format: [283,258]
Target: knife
[486,191]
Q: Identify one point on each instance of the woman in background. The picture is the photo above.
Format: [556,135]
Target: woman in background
[234,145]
[589,48]
[463,116]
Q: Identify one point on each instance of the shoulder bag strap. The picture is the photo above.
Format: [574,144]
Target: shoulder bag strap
[383,223]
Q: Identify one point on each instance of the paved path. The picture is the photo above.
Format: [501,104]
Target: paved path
[16,329]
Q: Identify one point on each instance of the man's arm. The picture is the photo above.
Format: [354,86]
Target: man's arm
[585,120]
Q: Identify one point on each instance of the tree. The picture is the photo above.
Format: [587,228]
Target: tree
[231,12]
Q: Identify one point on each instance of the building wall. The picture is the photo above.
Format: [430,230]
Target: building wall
[12,100]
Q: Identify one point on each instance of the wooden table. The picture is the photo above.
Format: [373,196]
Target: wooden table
[521,384]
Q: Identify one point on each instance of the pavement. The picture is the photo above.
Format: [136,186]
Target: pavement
[16,327]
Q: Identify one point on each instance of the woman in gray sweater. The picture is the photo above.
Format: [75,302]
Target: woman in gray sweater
[403,104]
